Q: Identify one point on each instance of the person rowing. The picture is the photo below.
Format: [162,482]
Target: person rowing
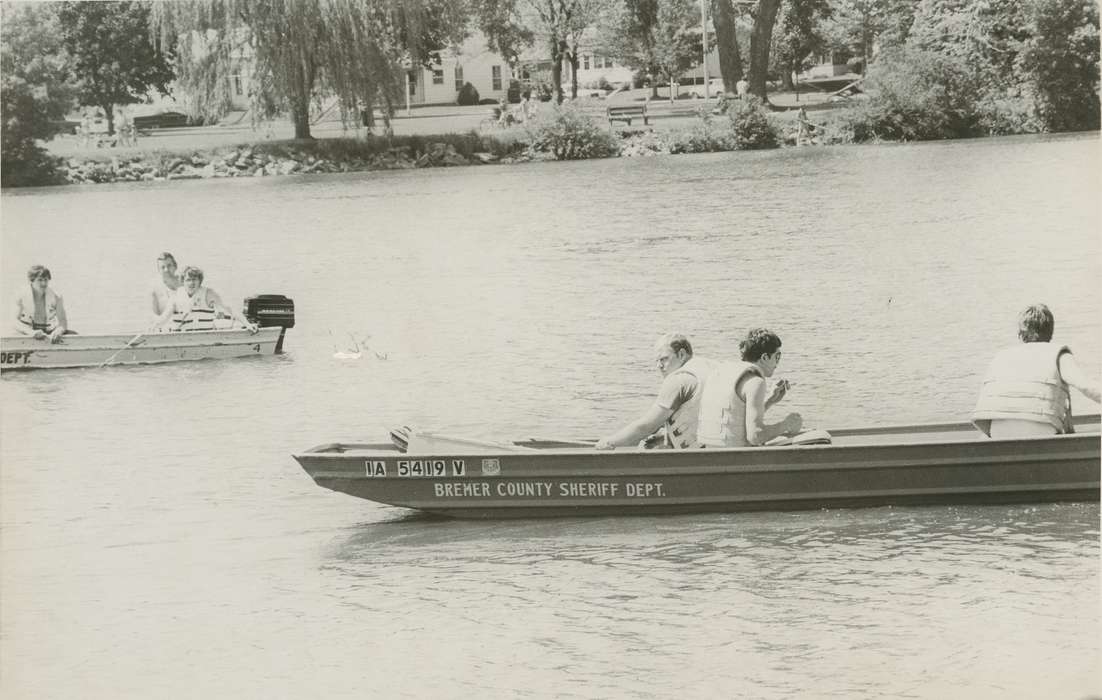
[40,310]
[193,307]
[733,402]
[1025,391]
[676,406]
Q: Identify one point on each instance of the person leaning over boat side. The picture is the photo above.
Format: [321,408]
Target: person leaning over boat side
[733,403]
[1025,391]
[677,405]
[194,306]
[39,310]
[165,284]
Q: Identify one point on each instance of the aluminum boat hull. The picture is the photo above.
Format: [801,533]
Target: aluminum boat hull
[947,463]
[25,353]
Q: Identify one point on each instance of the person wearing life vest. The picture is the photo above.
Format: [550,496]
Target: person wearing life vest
[734,401]
[193,307]
[39,310]
[677,405]
[1025,391]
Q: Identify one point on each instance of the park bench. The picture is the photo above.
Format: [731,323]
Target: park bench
[626,113]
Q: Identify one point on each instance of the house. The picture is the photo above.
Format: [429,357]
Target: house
[471,63]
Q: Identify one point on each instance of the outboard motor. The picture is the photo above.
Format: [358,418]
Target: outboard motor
[271,310]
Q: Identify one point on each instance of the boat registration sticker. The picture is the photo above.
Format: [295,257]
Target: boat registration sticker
[491,467]
[422,467]
[374,467]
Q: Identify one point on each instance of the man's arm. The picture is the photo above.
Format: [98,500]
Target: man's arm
[757,431]
[630,435]
[1075,377]
[216,301]
[62,321]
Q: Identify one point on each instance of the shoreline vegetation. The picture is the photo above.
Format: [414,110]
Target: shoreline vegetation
[571,131]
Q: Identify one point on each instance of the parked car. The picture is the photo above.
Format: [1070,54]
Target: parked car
[715,87]
[164,120]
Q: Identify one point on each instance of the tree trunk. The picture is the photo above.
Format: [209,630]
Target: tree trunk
[786,77]
[109,112]
[760,39]
[574,73]
[556,69]
[730,59]
[300,113]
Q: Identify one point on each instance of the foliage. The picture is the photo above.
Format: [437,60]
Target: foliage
[705,136]
[857,26]
[354,49]
[1060,62]
[751,126]
[113,59]
[502,27]
[468,95]
[34,91]
[568,133]
[798,34]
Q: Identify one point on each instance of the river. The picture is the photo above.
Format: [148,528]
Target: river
[159,541]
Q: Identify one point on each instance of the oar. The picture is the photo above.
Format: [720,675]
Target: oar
[124,347]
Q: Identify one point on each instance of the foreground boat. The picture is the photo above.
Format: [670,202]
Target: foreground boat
[944,463]
[273,313]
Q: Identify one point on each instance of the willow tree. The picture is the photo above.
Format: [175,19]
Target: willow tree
[299,51]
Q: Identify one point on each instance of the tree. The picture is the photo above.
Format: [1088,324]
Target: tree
[356,50]
[113,58]
[1060,62]
[35,92]
[676,40]
[724,15]
[797,35]
[660,38]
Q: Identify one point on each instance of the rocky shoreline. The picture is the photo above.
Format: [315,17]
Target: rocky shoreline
[247,161]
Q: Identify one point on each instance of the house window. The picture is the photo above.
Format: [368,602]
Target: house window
[495,75]
[585,62]
[238,87]
[437,76]
[412,82]
[458,78]
[608,62]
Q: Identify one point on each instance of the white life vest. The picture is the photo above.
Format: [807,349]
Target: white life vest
[1023,383]
[681,426]
[192,313]
[722,412]
[26,311]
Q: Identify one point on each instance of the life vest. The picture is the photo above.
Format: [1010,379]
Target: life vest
[26,322]
[681,426]
[192,313]
[722,412]
[1023,383]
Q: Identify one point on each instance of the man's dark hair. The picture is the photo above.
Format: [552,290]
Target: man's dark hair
[36,271]
[758,342]
[1035,324]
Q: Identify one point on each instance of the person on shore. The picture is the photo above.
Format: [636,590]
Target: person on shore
[39,310]
[193,307]
[1025,391]
[165,283]
[678,398]
[733,402]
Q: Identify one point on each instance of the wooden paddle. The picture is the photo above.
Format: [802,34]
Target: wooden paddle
[124,347]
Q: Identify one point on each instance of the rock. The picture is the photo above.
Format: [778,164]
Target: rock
[208,170]
[486,157]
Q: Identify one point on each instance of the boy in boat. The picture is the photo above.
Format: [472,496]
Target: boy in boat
[1025,391]
[39,310]
[678,398]
[193,306]
[734,402]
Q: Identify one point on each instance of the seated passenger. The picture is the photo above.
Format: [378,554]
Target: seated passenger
[678,398]
[733,404]
[39,310]
[1025,391]
[193,306]
[165,283]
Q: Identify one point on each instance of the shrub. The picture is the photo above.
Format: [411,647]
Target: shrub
[706,136]
[468,95]
[568,133]
[750,125]
[918,95]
